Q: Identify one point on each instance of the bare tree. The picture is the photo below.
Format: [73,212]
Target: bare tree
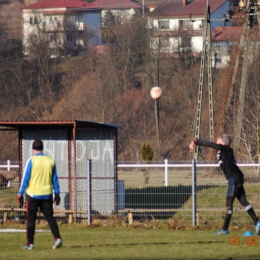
[251,117]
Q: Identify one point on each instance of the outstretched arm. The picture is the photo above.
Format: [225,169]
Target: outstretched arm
[195,142]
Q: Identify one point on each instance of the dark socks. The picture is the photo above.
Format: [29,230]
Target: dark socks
[227,221]
[252,214]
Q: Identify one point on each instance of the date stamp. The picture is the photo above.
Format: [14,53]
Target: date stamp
[249,241]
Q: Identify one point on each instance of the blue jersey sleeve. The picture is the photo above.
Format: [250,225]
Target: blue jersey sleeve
[26,177]
[55,181]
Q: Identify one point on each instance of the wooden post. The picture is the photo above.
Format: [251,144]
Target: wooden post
[70,219]
[5,217]
[130,218]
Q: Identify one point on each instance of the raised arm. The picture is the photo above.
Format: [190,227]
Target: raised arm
[198,142]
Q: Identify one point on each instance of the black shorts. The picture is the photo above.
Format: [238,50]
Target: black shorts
[235,187]
[236,190]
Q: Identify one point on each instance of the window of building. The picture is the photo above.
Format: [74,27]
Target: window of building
[34,38]
[34,20]
[186,41]
[70,37]
[164,42]
[164,24]
[202,24]
[53,20]
[52,37]
[186,24]
[71,19]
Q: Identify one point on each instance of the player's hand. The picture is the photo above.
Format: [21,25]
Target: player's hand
[20,200]
[192,145]
[57,199]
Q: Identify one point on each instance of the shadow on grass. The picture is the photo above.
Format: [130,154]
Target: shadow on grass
[152,243]
[162,199]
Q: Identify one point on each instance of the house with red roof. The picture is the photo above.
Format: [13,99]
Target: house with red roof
[63,24]
[223,39]
[177,25]
[71,24]
[122,6]
[122,9]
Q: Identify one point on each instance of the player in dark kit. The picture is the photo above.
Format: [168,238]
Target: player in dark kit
[227,162]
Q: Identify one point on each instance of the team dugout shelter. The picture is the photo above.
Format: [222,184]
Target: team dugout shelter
[72,144]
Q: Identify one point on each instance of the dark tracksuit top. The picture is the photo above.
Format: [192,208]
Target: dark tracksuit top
[226,161]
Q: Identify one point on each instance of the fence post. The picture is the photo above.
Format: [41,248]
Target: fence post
[166,173]
[194,193]
[121,195]
[8,169]
[89,192]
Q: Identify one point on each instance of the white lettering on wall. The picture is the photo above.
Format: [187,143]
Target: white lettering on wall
[56,149]
[95,150]
[108,149]
[90,149]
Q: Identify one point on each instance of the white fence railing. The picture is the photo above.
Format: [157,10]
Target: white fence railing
[168,166]
[8,166]
[165,166]
[193,166]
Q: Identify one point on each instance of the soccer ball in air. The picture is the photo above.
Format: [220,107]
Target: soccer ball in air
[156,92]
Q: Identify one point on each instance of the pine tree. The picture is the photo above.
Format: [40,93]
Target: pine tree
[147,155]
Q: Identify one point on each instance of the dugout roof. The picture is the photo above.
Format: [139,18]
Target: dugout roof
[56,123]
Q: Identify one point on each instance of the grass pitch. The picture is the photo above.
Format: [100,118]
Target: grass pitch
[132,243]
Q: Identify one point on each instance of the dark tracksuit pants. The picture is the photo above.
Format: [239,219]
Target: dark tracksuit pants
[236,190]
[46,207]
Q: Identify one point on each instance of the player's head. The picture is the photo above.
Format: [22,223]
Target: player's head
[37,145]
[224,139]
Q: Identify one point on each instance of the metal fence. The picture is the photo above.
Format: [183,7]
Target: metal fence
[147,191]
[167,190]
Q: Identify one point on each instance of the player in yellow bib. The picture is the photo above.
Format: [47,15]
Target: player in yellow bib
[38,182]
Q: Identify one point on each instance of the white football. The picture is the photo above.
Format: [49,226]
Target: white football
[156,92]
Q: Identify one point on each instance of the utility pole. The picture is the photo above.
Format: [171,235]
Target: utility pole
[245,30]
[206,51]
[143,9]
[237,62]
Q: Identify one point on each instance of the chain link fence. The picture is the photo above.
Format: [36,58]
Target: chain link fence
[142,191]
[160,190]
[155,192]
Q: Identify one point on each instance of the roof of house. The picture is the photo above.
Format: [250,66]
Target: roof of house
[78,4]
[194,7]
[50,4]
[232,34]
[117,4]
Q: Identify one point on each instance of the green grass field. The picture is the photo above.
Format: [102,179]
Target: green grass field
[128,243]
[152,238]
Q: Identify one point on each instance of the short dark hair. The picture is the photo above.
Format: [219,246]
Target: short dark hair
[37,145]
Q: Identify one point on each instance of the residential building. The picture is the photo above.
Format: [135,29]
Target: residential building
[64,25]
[122,9]
[178,26]
[223,40]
